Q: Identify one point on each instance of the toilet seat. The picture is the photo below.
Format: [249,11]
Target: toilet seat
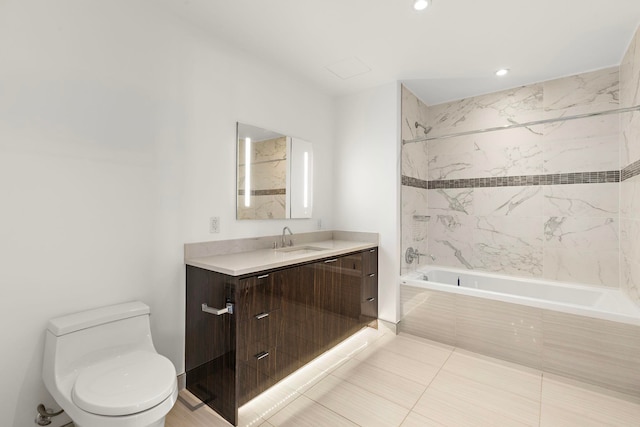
[127,384]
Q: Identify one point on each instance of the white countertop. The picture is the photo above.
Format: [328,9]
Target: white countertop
[238,264]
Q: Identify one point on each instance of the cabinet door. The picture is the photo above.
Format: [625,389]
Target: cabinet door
[295,344]
[369,295]
[337,299]
[258,295]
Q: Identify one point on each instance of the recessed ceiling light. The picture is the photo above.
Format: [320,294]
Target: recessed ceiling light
[502,72]
[421,4]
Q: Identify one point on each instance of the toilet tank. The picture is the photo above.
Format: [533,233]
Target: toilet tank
[81,339]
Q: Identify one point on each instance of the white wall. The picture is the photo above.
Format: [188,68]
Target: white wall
[367,177]
[117,129]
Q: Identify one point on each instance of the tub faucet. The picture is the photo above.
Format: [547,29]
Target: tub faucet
[283,243]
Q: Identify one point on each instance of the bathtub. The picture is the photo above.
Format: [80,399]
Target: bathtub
[587,333]
[597,302]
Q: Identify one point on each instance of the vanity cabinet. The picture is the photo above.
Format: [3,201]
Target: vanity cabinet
[282,319]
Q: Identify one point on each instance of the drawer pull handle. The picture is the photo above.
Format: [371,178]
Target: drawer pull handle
[264,276]
[330,261]
[262,355]
[371,299]
[372,275]
[372,250]
[218,311]
[262,315]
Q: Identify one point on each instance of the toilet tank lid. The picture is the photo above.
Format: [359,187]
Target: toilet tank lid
[86,319]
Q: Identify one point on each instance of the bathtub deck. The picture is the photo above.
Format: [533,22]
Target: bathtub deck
[382,379]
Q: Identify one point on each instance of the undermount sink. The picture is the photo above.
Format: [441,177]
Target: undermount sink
[301,250]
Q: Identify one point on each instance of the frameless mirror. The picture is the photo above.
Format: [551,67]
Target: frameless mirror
[274,175]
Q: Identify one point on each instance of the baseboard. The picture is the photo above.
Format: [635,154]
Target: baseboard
[383,325]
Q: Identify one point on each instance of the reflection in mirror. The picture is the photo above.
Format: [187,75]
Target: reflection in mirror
[300,198]
[274,175]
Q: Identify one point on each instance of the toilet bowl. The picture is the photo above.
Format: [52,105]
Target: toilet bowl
[101,367]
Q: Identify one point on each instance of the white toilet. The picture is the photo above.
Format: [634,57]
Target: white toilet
[101,368]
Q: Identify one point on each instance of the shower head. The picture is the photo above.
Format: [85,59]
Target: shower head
[426,129]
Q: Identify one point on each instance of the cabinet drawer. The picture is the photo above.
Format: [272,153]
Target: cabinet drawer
[257,333]
[369,286]
[370,261]
[256,374]
[258,295]
[369,308]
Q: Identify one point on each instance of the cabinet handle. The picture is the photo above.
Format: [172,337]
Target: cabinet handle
[330,261]
[262,355]
[372,250]
[218,311]
[264,276]
[262,315]
[371,299]
[372,274]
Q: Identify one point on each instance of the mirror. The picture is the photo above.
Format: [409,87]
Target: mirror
[274,175]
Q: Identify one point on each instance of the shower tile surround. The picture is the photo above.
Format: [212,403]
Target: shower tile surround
[559,201]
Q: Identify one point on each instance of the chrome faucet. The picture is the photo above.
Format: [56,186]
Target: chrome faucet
[412,254]
[283,243]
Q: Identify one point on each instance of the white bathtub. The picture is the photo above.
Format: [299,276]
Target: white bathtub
[597,302]
[591,334]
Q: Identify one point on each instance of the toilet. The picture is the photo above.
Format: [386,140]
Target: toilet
[101,367]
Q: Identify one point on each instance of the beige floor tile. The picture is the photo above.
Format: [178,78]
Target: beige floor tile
[375,379]
[456,400]
[306,377]
[398,364]
[357,404]
[417,348]
[411,346]
[569,403]
[305,412]
[523,381]
[329,361]
[191,412]
[268,403]
[417,420]
[397,389]
[361,340]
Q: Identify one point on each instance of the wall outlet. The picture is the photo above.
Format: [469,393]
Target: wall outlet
[214,224]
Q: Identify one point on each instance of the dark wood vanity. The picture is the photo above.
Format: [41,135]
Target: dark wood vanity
[282,319]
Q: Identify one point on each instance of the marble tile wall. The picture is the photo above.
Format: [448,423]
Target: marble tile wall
[630,164]
[268,180]
[493,199]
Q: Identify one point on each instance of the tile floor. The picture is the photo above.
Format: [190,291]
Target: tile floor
[380,379]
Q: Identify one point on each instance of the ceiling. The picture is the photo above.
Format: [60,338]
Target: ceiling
[449,51]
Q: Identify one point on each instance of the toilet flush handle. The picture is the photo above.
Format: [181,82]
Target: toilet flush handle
[218,311]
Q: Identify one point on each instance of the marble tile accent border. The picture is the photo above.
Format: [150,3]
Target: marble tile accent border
[518,181]
[270,192]
[627,173]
